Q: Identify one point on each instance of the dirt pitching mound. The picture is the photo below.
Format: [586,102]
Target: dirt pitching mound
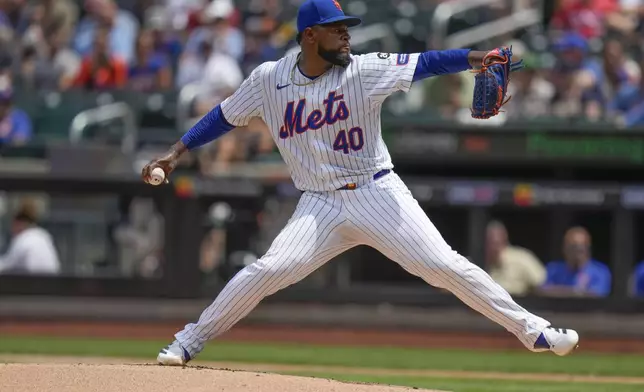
[142,378]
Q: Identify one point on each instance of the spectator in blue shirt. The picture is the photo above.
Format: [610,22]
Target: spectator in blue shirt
[601,80]
[122,24]
[150,71]
[627,108]
[637,282]
[15,125]
[579,274]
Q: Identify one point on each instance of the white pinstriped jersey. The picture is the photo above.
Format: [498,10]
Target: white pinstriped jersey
[329,135]
[327,131]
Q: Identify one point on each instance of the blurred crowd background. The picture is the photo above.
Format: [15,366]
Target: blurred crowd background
[171,61]
[584,57]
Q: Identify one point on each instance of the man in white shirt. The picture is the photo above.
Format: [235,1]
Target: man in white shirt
[31,250]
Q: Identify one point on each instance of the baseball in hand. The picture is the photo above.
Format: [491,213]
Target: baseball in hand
[157,176]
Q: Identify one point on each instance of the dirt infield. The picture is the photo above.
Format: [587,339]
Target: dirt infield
[80,377]
[19,363]
[326,336]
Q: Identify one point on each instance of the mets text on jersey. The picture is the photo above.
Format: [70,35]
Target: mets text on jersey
[293,115]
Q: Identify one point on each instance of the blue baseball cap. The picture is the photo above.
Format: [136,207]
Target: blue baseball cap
[570,41]
[321,12]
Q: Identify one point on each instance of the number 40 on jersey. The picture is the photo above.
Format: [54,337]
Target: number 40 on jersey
[354,140]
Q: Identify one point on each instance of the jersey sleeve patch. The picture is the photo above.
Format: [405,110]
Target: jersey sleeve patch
[402,59]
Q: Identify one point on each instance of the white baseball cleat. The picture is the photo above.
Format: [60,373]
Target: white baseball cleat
[173,355]
[560,341]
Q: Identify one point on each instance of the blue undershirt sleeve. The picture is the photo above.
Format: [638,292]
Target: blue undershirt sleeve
[441,62]
[209,128]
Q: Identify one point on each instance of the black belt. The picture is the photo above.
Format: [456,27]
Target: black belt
[351,186]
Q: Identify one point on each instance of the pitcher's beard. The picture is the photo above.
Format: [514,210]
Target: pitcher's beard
[335,57]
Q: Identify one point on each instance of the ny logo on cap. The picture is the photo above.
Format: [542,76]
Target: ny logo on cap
[337,4]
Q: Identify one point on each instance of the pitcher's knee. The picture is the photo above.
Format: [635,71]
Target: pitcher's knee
[266,271]
[263,269]
[445,272]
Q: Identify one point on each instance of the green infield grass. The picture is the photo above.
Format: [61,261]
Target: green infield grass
[392,359]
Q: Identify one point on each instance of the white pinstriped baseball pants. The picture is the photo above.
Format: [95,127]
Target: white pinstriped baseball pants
[383,215]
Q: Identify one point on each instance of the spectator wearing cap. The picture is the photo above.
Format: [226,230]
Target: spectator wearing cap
[571,55]
[578,274]
[15,124]
[516,269]
[31,250]
[150,70]
[102,70]
[219,31]
[122,25]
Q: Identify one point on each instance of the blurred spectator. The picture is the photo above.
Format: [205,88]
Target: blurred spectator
[627,108]
[15,125]
[446,94]
[258,51]
[122,29]
[150,70]
[140,240]
[137,8]
[213,251]
[64,12]
[33,34]
[600,80]
[14,16]
[571,55]
[101,70]
[179,11]
[31,250]
[216,75]
[166,40]
[516,269]
[55,67]
[531,92]
[637,280]
[585,17]
[264,41]
[218,30]
[627,22]
[192,65]
[578,274]
[221,77]
[213,245]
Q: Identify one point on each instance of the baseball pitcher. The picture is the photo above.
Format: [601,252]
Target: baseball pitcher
[322,107]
